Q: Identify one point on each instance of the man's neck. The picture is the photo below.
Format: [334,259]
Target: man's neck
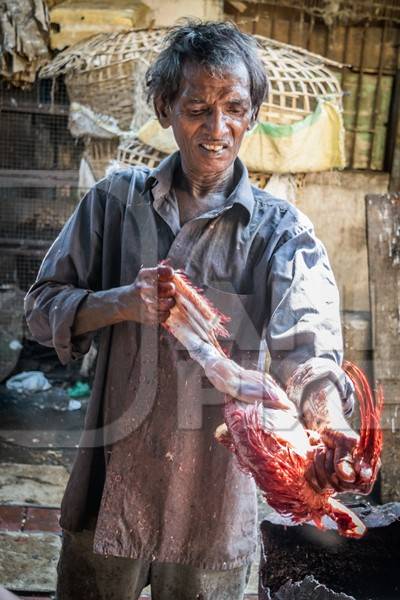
[197,195]
[200,186]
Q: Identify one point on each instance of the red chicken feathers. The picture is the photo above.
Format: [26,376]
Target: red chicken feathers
[277,458]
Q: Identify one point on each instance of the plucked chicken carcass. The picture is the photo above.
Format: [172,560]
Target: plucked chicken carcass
[262,427]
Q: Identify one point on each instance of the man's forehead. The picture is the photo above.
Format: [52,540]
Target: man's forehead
[198,79]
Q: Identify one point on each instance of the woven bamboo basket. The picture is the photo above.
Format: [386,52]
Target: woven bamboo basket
[297,79]
[133,152]
[107,71]
[99,154]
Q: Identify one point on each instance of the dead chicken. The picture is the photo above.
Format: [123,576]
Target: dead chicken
[262,427]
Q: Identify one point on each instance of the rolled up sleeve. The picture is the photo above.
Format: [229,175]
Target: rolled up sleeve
[322,370]
[304,330]
[69,272]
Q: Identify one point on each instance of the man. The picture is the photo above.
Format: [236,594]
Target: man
[152,498]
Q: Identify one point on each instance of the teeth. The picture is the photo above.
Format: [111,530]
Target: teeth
[213,147]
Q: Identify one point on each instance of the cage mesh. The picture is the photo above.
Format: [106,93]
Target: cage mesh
[30,219]
[34,215]
[33,128]
[35,201]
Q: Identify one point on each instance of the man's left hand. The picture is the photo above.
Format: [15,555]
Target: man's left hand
[333,465]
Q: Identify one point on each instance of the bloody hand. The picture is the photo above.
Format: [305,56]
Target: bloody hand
[333,464]
[151,297]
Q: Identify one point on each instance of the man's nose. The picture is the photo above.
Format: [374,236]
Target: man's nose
[216,124]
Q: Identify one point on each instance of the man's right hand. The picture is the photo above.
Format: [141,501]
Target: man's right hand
[150,297]
[148,300]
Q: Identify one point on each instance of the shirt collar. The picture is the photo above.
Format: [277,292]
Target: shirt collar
[159,181]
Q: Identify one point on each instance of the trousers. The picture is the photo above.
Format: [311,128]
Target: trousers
[83,575]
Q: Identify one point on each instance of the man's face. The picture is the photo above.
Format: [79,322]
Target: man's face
[209,117]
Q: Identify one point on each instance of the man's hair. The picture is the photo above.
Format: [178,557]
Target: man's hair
[216,46]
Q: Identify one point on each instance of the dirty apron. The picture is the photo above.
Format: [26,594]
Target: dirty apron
[171,492]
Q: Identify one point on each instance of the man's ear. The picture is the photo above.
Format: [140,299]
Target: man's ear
[163,112]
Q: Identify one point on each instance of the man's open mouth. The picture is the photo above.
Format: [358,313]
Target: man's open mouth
[213,148]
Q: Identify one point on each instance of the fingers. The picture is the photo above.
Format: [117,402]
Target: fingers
[343,444]
[158,309]
[344,467]
[157,292]
[322,473]
[164,273]
[333,465]
[343,459]
[166,289]
[366,478]
[165,304]
[159,281]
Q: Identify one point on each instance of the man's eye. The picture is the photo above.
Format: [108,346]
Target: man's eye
[236,110]
[197,111]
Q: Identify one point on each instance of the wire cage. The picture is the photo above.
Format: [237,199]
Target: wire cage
[39,161]
[33,128]
[30,219]
[107,71]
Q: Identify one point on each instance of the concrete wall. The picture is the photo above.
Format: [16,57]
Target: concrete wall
[335,203]
[167,12]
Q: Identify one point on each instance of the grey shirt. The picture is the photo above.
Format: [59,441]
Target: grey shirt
[148,465]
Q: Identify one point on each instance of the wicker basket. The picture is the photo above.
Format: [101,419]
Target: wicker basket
[297,79]
[106,73]
[99,154]
[133,152]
